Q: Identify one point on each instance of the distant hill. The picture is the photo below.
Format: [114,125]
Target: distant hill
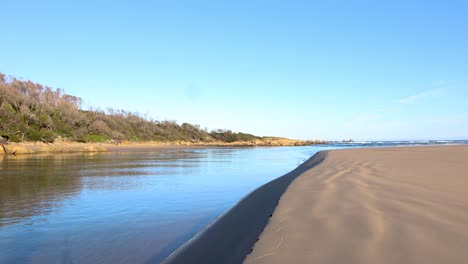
[34,112]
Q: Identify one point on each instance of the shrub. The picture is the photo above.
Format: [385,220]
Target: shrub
[94,138]
[40,135]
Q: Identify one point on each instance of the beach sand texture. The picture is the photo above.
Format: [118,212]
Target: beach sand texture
[382,205]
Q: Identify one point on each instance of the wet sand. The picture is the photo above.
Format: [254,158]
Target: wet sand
[382,205]
[230,238]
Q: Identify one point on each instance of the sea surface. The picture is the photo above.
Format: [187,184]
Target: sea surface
[134,206]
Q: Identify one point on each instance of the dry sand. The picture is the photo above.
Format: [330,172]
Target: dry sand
[383,205]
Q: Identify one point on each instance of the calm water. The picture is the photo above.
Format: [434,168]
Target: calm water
[124,207]
[127,207]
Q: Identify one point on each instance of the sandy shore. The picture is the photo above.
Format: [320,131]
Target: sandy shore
[380,205]
[230,238]
[385,205]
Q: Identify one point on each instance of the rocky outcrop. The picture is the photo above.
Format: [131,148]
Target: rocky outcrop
[39,147]
[67,147]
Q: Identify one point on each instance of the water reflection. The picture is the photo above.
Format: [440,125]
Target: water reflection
[34,185]
[125,206]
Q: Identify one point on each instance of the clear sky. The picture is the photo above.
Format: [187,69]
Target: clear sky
[301,69]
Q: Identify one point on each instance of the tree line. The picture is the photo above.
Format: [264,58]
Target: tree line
[34,112]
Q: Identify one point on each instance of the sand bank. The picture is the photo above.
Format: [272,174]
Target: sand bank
[231,237]
[386,205]
[380,205]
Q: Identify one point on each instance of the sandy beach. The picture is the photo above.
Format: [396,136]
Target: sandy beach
[385,205]
[376,205]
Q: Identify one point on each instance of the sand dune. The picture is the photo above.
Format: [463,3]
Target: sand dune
[385,205]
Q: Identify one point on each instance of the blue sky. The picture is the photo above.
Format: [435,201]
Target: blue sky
[301,69]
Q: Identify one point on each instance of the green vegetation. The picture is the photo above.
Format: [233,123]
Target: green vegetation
[229,136]
[33,112]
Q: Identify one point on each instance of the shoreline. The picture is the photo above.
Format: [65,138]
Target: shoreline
[229,239]
[273,224]
[374,205]
[76,147]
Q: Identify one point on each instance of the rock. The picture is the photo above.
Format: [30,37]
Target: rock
[15,149]
[94,149]
[90,149]
[4,140]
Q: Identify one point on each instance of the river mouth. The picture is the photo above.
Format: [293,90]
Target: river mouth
[130,207]
[123,207]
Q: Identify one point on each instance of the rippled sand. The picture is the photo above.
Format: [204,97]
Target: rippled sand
[386,205]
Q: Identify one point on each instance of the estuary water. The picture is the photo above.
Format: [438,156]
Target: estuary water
[127,207]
